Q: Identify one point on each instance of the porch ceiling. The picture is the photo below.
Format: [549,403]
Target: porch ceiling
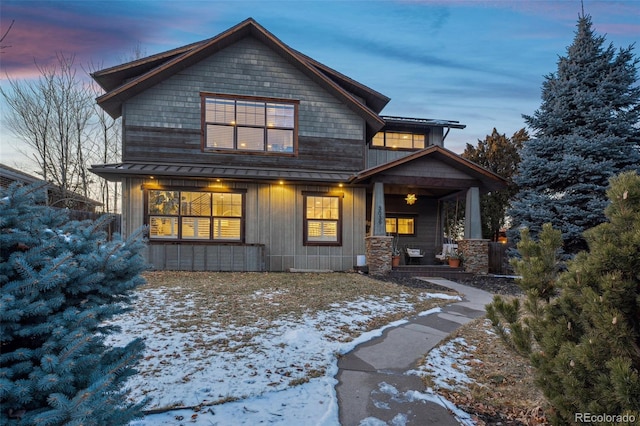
[421,191]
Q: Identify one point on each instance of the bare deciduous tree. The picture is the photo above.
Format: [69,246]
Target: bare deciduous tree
[51,115]
[106,134]
[4,35]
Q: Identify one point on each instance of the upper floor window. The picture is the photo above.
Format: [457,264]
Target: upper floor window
[398,140]
[249,124]
[191,215]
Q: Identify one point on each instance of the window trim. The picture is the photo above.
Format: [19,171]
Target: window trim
[147,216]
[203,124]
[385,146]
[403,216]
[305,220]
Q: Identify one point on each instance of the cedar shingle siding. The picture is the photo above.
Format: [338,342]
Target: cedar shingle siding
[164,121]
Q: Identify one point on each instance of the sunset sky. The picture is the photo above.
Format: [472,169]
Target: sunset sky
[479,62]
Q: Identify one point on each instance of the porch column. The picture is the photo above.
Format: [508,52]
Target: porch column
[377,244]
[378,214]
[474,249]
[472,223]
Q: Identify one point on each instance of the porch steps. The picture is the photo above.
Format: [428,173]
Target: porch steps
[442,271]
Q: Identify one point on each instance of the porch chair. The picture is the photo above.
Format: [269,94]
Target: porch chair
[413,254]
[446,249]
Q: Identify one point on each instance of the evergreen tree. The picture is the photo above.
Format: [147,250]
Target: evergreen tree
[585,132]
[499,154]
[589,357]
[586,340]
[61,281]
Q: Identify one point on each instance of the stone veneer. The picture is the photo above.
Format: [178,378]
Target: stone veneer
[476,255]
[378,252]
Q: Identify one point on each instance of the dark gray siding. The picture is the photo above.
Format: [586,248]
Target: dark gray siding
[164,122]
[425,213]
[376,156]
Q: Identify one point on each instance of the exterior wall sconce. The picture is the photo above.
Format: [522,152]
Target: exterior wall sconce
[411,199]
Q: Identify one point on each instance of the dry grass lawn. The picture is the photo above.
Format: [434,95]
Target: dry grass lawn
[254,299]
[503,391]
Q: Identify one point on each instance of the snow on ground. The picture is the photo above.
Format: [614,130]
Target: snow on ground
[283,373]
[409,396]
[447,364]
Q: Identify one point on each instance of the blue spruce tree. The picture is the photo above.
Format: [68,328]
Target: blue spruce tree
[585,132]
[61,281]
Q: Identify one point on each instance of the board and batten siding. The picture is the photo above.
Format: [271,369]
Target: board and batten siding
[273,231]
[164,121]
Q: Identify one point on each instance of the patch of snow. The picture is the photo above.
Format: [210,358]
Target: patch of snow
[372,421]
[284,374]
[430,396]
[399,420]
[446,365]
[463,417]
[443,296]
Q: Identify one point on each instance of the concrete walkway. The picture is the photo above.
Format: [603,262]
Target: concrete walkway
[371,380]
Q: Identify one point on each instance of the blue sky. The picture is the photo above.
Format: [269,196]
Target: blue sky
[479,62]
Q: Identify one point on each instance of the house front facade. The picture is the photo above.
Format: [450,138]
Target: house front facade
[242,154]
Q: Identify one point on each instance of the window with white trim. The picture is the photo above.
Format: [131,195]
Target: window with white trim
[249,124]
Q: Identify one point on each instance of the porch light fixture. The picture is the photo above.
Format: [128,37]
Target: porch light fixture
[411,199]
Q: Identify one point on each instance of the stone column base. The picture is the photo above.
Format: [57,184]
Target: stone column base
[378,252]
[476,255]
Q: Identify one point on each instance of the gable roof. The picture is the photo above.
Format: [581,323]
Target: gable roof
[125,81]
[477,175]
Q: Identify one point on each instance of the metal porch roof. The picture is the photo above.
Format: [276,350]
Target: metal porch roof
[116,171]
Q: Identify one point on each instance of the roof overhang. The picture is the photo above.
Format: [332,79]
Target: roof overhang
[157,68]
[434,168]
[422,122]
[115,172]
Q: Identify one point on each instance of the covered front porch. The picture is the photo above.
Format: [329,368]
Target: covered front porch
[405,200]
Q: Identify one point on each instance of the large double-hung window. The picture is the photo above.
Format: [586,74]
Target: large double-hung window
[195,215]
[322,219]
[249,124]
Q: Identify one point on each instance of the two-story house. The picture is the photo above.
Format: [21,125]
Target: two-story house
[242,154]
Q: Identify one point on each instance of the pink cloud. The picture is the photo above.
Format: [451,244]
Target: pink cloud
[38,34]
